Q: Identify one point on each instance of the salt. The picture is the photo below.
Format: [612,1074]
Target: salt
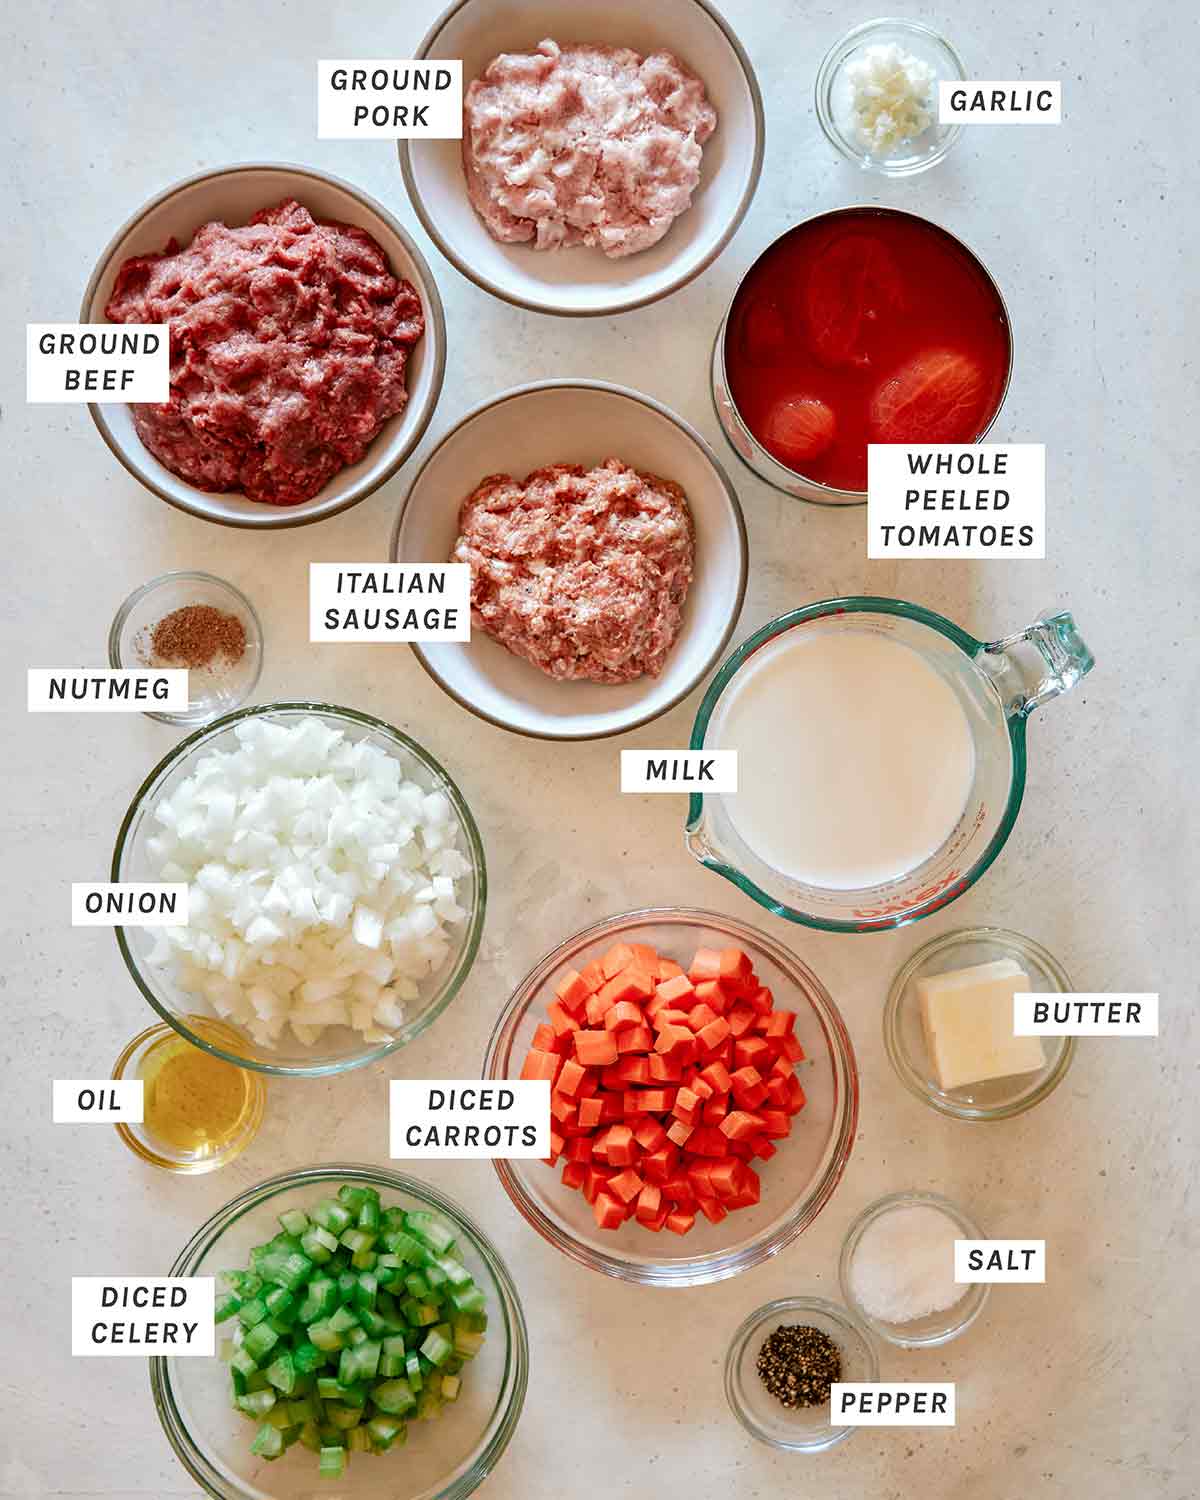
[903,1264]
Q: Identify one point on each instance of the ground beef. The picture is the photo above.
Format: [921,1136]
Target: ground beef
[583,144]
[289,343]
[583,573]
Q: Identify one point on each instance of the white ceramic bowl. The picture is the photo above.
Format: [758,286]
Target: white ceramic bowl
[583,282]
[584,422]
[233,195]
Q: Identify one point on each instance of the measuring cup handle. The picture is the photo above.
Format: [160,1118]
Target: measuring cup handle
[1036,664]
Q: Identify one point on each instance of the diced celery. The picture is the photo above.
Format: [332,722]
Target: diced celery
[252,1312]
[280,1302]
[352,1197]
[331,1215]
[367,1359]
[325,1337]
[278,1416]
[417,1286]
[258,1381]
[342,1320]
[307,1357]
[356,1336]
[390,1365]
[320,1299]
[412,1365]
[451,1384]
[259,1342]
[429,1406]
[402,1245]
[294,1222]
[243,1363]
[454,1271]
[357,1239]
[342,1417]
[429,1230]
[332,1463]
[226,1305]
[467,1298]
[256,1403]
[393,1396]
[310,1436]
[302,1410]
[281,1372]
[437,1348]
[357,1440]
[369,1216]
[318,1244]
[384,1431]
[467,1344]
[366,1291]
[371,1323]
[268,1443]
[364,1260]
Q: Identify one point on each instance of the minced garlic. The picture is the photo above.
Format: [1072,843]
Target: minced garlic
[891,96]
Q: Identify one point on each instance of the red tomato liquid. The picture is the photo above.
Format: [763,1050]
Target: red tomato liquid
[864,326]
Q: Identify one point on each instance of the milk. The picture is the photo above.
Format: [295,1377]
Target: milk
[855,758]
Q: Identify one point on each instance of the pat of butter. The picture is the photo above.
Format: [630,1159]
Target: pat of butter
[968,1019]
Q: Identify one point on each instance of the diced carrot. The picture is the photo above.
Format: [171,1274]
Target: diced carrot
[796,1096]
[668,968]
[700,1180]
[649,1203]
[626,1185]
[713,1210]
[739,1125]
[563,1109]
[735,966]
[777,1092]
[762,1147]
[714,1034]
[621,1146]
[741,1019]
[715,1109]
[557,1144]
[751,1051]
[657,1166]
[776,1123]
[612,1109]
[761,1001]
[678,1189]
[635,1039]
[650,1135]
[680,1223]
[655,1224]
[679,1132]
[572,990]
[705,965]
[595,1182]
[580,1148]
[710,993]
[655,1101]
[632,1069]
[707,1141]
[608,1212]
[570,1076]
[592,975]
[748,1088]
[629,984]
[543,1038]
[792,1049]
[717,1074]
[701,1087]
[622,1013]
[645,957]
[664,1069]
[561,1019]
[540,1065]
[668,1017]
[725,1176]
[699,1017]
[676,990]
[618,957]
[574,1174]
[686,1106]
[671,1040]
[590,1112]
[780,1023]
[597,1007]
[595,1049]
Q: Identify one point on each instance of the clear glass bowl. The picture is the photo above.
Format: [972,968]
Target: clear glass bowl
[803,1429]
[833,96]
[144,1053]
[443,1460]
[935,1328]
[904,1036]
[213,690]
[339,1048]
[796,1184]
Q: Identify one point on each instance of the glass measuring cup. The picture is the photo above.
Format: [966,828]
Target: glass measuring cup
[998,684]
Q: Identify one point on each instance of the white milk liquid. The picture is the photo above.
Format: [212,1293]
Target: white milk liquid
[855,759]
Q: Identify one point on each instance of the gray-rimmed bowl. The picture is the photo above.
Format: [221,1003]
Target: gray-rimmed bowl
[583,282]
[233,194]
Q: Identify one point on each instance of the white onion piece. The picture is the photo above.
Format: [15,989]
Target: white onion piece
[322,884]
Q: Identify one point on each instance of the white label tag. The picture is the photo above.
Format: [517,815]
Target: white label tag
[892,1403]
[143,1315]
[967,500]
[106,690]
[389,602]
[129,903]
[385,99]
[1084,1015]
[679,771]
[447,1117]
[1000,102]
[103,1101]
[97,362]
[999,1260]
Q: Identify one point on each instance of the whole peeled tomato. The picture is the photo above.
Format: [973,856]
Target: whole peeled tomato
[764,333]
[937,397]
[853,285]
[797,429]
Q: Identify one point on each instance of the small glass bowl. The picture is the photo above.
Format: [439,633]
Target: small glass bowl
[213,690]
[796,1185]
[139,1056]
[444,1460]
[904,1036]
[934,1328]
[803,1429]
[833,96]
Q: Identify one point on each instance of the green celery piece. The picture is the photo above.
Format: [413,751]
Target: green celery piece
[451,1385]
[402,1245]
[342,1417]
[244,1283]
[342,1320]
[256,1403]
[238,1383]
[278,1417]
[347,1285]
[268,1443]
[348,1367]
[367,1359]
[437,1348]
[364,1260]
[391,1365]
[412,1365]
[331,1215]
[332,1463]
[320,1299]
[454,1271]
[252,1312]
[384,1431]
[259,1342]
[258,1381]
[281,1372]
[372,1324]
[318,1244]
[301,1411]
[225,1306]
[417,1286]
[331,1436]
[340,1261]
[395,1343]
[325,1337]
[357,1440]
[352,1197]
[294,1270]
[290,1435]
[329,1388]
[393,1396]
[243,1364]
[429,1406]
[280,1302]
[467,1299]
[472,1319]
[307,1357]
[436,1277]
[357,1239]
[429,1230]
[467,1344]
[294,1222]
[311,1437]
[369,1217]
[366,1291]
[356,1336]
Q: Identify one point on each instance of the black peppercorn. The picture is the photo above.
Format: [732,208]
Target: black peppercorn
[798,1364]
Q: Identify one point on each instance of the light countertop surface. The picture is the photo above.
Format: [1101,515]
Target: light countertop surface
[1086,1386]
